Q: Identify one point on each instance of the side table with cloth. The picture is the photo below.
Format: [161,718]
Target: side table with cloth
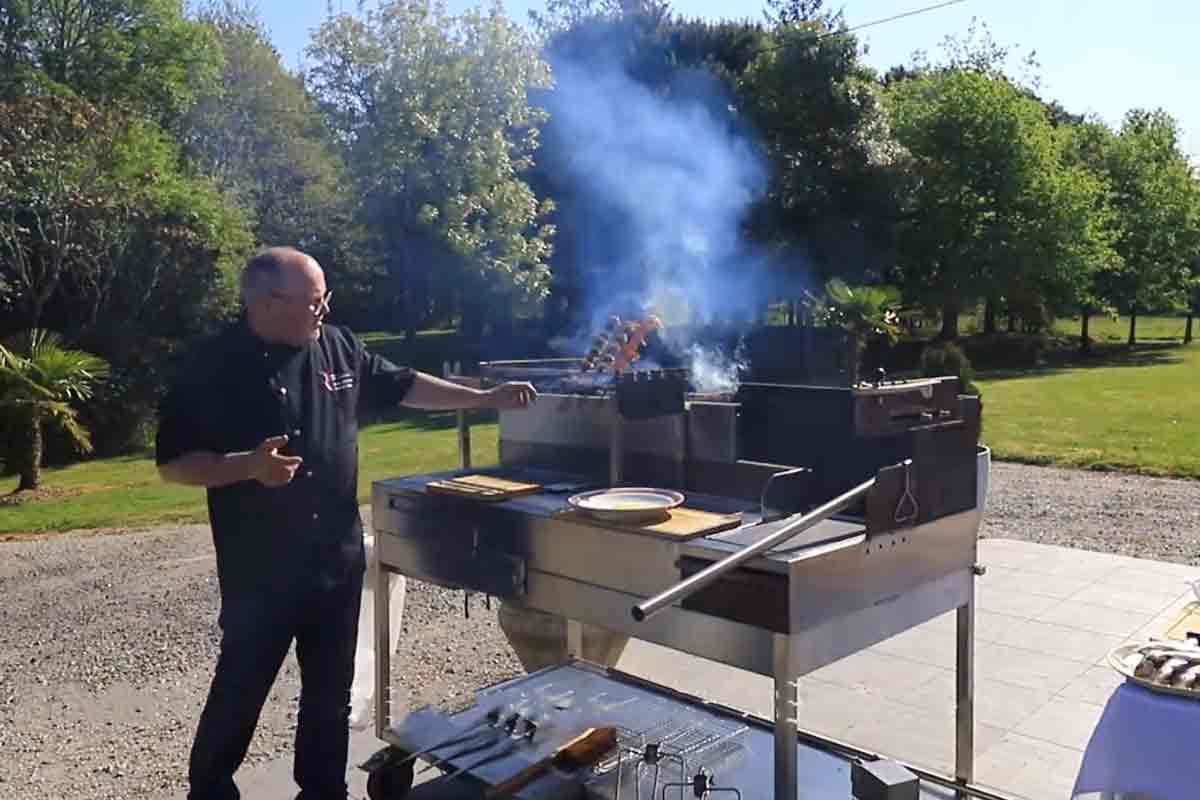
[1144,744]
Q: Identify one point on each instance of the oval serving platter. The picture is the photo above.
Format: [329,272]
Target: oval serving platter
[1124,659]
[627,505]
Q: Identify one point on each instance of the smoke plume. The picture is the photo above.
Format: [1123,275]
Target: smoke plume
[657,184]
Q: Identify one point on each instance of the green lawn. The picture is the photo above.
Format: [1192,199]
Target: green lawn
[1100,329]
[1135,410]
[1107,329]
[127,492]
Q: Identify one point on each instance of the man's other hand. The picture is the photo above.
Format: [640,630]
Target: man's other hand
[514,394]
[271,468]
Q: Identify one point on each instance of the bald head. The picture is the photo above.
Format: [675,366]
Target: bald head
[281,287]
[277,270]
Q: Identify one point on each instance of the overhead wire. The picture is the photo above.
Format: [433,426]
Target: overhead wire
[765,49]
[844,31]
[893,18]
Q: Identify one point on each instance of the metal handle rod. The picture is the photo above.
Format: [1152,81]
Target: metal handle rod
[713,571]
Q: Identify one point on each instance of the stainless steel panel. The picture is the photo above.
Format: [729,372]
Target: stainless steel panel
[786,708]
[714,572]
[701,635]
[826,579]
[964,715]
[464,440]
[745,646]
[878,571]
[525,528]
[585,422]
[383,654]
[480,568]
[846,634]
[712,432]
[616,448]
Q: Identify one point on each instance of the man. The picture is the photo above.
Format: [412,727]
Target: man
[266,418]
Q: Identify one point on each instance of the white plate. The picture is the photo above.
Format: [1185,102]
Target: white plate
[1124,659]
[627,505]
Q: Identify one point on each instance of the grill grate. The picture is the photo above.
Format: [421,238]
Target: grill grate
[670,750]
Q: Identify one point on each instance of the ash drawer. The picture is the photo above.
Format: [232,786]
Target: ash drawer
[479,569]
[422,515]
[744,595]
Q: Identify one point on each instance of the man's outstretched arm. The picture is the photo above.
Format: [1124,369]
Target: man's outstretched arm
[435,394]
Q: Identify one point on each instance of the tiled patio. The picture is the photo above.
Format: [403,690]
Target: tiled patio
[1046,619]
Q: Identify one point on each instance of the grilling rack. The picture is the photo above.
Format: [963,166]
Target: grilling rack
[682,748]
[675,749]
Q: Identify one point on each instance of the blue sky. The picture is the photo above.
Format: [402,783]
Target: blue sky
[1101,56]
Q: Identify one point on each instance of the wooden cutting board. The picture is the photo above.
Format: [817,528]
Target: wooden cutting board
[683,523]
[482,487]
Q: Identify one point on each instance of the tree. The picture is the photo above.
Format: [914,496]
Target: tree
[795,12]
[140,55]
[1193,299]
[262,139]
[69,177]
[107,233]
[992,211]
[562,16]
[724,47]
[433,116]
[863,312]
[1157,202]
[83,192]
[1086,147]
[831,152]
[40,380]
[103,239]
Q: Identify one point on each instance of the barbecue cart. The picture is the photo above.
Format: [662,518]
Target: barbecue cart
[776,528]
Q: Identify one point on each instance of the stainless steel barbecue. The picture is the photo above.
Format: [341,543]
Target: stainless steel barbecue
[855,517]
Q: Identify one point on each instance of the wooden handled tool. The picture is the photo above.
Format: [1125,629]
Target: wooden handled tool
[584,750]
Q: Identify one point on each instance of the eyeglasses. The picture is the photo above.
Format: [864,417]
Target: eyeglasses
[318,309]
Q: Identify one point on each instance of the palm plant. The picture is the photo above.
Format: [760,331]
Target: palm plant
[863,312]
[40,379]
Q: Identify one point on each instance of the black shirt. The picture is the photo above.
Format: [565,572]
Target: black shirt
[237,391]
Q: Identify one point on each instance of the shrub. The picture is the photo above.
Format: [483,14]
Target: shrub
[947,358]
[1007,350]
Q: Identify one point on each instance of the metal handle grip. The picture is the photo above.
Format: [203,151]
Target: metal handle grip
[710,573]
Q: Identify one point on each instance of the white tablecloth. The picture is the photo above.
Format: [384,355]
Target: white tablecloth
[1145,742]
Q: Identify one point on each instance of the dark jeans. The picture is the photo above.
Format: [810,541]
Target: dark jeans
[257,630]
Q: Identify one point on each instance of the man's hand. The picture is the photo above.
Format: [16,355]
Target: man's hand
[270,468]
[515,394]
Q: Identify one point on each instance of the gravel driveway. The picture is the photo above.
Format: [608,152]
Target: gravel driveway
[107,641]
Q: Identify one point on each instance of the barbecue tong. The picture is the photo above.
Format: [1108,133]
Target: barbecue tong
[489,721]
[506,750]
[490,739]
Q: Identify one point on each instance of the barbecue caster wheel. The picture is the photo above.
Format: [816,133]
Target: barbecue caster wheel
[390,774]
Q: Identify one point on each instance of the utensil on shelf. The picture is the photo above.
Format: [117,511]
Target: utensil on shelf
[584,750]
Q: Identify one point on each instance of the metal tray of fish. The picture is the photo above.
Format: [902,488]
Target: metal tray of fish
[1158,664]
